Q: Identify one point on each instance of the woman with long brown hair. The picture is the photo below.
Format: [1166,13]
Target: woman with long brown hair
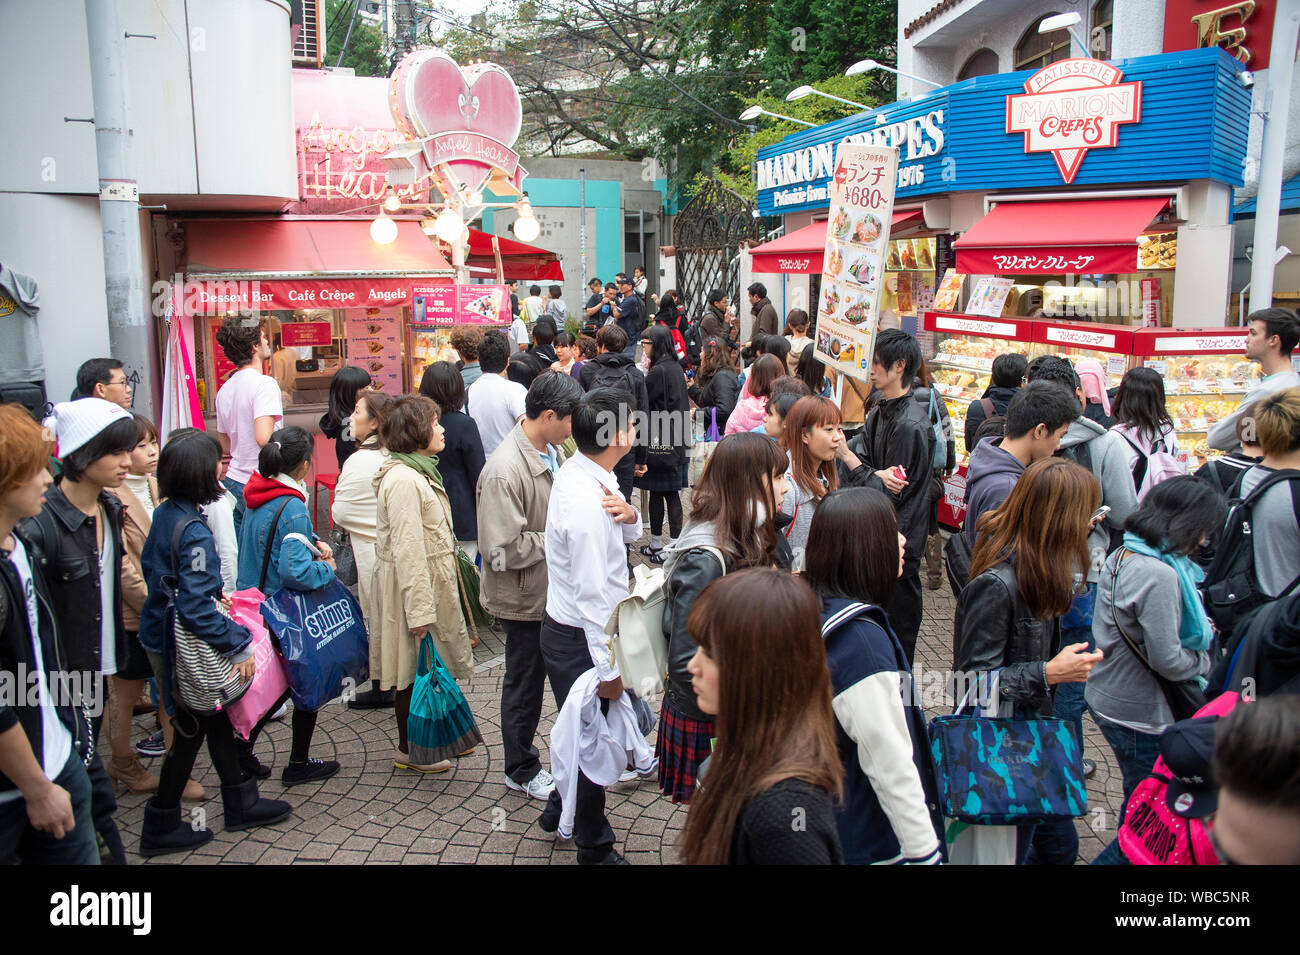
[731,527]
[717,386]
[1030,560]
[812,440]
[761,670]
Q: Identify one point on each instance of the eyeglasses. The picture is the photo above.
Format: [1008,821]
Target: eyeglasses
[120,381]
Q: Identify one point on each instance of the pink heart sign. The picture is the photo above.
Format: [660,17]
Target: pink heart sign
[430,95]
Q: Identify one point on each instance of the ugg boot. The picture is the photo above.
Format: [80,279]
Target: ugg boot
[934,561]
[165,832]
[246,809]
[127,772]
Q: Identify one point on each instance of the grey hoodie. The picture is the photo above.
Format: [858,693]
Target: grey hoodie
[22,358]
[990,476]
[1111,465]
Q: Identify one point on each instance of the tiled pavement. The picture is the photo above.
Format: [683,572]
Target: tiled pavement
[370,812]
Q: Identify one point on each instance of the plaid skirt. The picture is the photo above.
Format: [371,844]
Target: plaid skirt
[664,479]
[682,745]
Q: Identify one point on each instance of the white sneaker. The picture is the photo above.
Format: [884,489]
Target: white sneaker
[539,787]
[279,714]
[632,773]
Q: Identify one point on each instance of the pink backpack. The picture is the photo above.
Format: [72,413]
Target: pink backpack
[1156,464]
[1152,833]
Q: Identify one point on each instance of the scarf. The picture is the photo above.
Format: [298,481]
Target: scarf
[1194,630]
[1093,380]
[422,464]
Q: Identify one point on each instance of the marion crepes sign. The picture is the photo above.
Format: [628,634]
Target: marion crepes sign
[1072,106]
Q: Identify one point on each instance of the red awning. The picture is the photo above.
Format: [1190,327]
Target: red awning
[519,260]
[304,263]
[801,251]
[1070,236]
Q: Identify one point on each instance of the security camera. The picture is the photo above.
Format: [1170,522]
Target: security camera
[1246,78]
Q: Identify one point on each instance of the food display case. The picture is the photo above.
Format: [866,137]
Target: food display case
[1111,346]
[909,285]
[961,359]
[1206,376]
[425,345]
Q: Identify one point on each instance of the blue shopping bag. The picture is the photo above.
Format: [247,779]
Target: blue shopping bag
[322,636]
[440,724]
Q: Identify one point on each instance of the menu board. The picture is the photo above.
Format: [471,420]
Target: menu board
[857,240]
[949,294]
[306,334]
[460,305]
[989,296]
[375,344]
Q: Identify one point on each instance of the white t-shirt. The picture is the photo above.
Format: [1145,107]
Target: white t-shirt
[246,396]
[532,308]
[496,404]
[56,741]
[518,333]
[107,619]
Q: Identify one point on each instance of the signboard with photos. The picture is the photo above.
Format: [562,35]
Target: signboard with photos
[857,239]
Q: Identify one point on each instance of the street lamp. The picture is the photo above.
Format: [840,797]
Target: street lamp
[449,225]
[799,92]
[866,66]
[383,229]
[1065,21]
[754,112]
[526,227]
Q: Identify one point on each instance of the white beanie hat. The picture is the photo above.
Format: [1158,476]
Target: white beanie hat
[76,422]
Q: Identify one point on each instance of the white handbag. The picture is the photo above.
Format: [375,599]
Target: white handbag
[638,642]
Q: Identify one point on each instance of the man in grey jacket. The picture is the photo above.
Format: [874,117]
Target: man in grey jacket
[766,321]
[514,490]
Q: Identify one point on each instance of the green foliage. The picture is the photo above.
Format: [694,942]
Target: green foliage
[365,52]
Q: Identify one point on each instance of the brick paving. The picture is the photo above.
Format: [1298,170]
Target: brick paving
[372,813]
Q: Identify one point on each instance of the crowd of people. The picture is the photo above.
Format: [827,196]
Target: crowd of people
[793,593]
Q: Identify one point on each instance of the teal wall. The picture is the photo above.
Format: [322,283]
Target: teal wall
[604,198]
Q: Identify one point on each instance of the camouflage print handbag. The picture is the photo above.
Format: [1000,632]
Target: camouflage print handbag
[995,771]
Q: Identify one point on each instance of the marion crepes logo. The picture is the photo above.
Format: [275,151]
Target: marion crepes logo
[1072,106]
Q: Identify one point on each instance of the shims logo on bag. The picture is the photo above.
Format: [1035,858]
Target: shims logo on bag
[327,622]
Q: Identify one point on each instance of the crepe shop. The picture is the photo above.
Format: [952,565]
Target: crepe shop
[1085,192]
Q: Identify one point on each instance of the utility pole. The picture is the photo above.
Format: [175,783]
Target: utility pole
[1277,104]
[119,199]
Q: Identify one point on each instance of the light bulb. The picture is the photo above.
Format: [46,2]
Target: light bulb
[527,228]
[448,225]
[475,198]
[392,203]
[383,229]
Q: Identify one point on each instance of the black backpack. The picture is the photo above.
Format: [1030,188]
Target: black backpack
[613,376]
[694,343]
[1231,584]
[993,425]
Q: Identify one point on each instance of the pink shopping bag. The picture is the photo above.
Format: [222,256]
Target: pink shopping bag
[271,682]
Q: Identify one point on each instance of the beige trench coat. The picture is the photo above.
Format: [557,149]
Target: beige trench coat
[414,582]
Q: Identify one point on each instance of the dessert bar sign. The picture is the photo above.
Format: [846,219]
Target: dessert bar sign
[857,239]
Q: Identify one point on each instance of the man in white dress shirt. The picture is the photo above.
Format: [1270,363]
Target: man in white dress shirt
[588,528]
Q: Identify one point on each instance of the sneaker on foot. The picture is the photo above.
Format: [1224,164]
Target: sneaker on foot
[632,772]
[279,714]
[313,770]
[152,745]
[539,787]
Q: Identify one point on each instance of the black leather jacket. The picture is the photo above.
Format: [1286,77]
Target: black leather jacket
[694,570]
[720,393]
[994,627]
[63,541]
[17,656]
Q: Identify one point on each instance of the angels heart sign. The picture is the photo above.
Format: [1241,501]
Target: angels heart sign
[466,120]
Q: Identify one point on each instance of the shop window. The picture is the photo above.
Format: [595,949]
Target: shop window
[982,63]
[1036,50]
[1103,23]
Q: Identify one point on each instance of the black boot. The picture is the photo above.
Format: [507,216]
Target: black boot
[165,832]
[249,764]
[246,809]
[373,698]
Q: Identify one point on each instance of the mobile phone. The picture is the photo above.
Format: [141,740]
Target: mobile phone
[1099,513]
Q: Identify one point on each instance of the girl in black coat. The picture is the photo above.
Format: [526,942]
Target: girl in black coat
[667,435]
[462,459]
[346,384]
[717,386]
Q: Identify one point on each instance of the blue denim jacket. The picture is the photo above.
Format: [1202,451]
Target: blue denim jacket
[292,563]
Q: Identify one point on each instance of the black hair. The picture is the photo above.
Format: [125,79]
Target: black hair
[661,344]
[611,287]
[783,402]
[853,546]
[1177,514]
[1053,368]
[894,345]
[779,346]
[1281,322]
[555,291]
[564,338]
[96,371]
[552,391]
[443,383]
[493,352]
[535,290]
[144,428]
[522,368]
[1009,370]
[119,437]
[239,335]
[187,467]
[812,370]
[613,337]
[544,331]
[344,388]
[759,289]
[1140,404]
[595,282]
[598,416]
[715,295]
[1040,402]
[286,450]
[1257,752]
